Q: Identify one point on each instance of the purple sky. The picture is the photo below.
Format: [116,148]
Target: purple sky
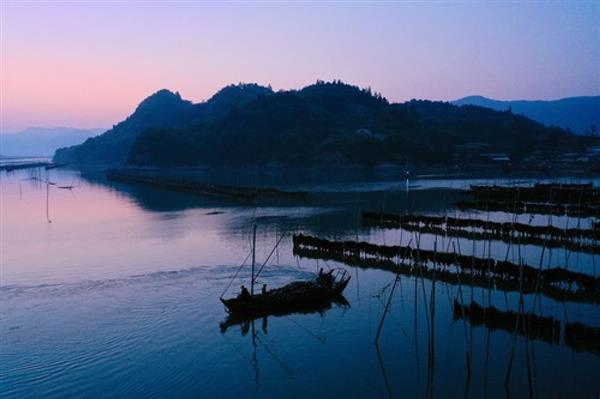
[89,64]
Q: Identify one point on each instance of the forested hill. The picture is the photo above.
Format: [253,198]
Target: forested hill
[322,124]
[163,109]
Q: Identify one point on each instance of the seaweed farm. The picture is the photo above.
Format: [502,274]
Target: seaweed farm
[575,335]
[572,238]
[554,282]
[112,287]
[447,264]
[576,200]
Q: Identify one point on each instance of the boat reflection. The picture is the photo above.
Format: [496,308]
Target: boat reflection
[247,323]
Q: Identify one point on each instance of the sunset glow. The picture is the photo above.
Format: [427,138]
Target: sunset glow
[89,64]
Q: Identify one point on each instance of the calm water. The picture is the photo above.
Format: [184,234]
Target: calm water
[111,290]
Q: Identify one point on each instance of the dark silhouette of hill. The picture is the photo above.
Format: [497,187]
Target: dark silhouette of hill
[163,109]
[577,114]
[322,124]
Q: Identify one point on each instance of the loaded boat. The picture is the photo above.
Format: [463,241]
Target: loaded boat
[293,297]
[297,296]
[245,319]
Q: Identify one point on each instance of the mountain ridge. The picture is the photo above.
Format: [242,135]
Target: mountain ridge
[323,123]
[163,108]
[577,114]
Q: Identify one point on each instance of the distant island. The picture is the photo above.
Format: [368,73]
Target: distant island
[581,115]
[327,123]
[39,141]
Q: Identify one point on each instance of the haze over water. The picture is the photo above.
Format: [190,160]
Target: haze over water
[118,296]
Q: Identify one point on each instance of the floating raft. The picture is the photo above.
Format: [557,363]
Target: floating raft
[577,336]
[29,165]
[509,232]
[575,186]
[558,283]
[527,230]
[582,338]
[574,194]
[519,207]
[537,327]
[243,194]
[578,200]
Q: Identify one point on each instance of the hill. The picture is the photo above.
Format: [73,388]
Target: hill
[577,114]
[162,109]
[322,124]
[336,123]
[39,141]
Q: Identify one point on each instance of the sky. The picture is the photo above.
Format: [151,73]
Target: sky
[88,64]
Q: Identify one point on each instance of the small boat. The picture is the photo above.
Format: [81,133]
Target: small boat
[245,319]
[293,297]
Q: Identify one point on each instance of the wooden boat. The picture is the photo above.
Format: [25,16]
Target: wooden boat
[294,297]
[245,319]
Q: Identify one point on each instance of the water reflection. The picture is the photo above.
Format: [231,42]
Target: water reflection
[374,196]
[118,296]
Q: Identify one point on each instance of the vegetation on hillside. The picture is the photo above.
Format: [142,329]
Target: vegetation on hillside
[335,123]
[327,123]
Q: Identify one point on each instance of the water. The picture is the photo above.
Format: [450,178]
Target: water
[110,290]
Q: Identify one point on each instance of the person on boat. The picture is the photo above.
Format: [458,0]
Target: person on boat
[329,277]
[244,294]
[320,275]
[325,278]
[264,289]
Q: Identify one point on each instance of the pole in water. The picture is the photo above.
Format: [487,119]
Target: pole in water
[385,310]
[48,202]
[253,260]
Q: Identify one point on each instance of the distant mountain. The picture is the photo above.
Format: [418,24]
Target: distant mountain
[577,114]
[162,109]
[39,141]
[322,124]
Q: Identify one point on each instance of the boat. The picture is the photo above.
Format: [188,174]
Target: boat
[293,297]
[245,319]
[297,296]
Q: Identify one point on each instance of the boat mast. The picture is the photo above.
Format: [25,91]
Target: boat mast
[253,260]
